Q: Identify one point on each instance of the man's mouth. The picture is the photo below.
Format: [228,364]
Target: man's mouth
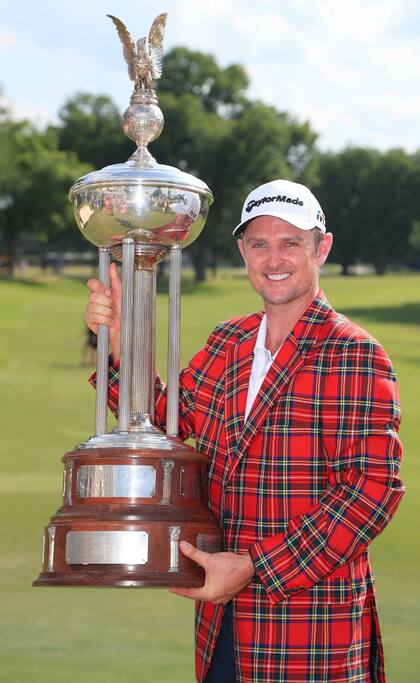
[278,276]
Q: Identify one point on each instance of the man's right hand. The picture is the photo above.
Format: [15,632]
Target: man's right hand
[104,308]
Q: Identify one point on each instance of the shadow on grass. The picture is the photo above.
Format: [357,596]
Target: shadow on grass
[405,314]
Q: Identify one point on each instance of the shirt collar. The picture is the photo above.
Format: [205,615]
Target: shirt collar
[262,355]
[262,334]
[260,350]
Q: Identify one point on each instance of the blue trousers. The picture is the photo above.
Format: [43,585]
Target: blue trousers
[222,667]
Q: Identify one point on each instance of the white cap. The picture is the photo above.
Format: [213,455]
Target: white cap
[187,203]
[292,202]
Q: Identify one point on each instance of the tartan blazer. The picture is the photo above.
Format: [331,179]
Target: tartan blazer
[304,485]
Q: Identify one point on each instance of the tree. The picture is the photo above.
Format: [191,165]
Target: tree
[392,208]
[34,180]
[219,91]
[371,201]
[90,126]
[343,193]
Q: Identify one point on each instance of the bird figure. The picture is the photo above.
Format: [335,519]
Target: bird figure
[144,59]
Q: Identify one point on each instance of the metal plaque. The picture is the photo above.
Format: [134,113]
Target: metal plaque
[116,481]
[107,547]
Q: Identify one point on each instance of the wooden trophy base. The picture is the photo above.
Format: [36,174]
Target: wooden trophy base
[124,513]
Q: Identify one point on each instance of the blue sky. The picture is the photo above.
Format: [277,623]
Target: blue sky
[352,68]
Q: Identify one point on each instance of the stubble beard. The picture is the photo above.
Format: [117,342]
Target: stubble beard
[286,297]
[293,294]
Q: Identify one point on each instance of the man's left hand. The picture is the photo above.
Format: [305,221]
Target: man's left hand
[226,574]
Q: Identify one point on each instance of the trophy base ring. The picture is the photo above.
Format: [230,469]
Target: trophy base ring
[113,578]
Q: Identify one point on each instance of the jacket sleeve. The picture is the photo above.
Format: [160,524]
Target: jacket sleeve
[113,384]
[360,420]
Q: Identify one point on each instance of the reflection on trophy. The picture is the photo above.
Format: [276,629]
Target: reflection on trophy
[132,494]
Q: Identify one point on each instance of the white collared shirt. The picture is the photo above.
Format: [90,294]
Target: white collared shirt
[260,365]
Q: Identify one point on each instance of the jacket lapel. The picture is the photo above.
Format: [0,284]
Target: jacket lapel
[238,371]
[289,360]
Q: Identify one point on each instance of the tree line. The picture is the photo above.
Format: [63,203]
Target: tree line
[214,130]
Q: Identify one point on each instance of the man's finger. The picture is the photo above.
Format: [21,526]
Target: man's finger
[95,310]
[201,594]
[115,281]
[101,299]
[97,286]
[192,593]
[195,554]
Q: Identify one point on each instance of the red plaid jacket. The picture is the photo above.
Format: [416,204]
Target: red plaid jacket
[305,485]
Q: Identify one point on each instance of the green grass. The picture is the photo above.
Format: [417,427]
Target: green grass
[83,635]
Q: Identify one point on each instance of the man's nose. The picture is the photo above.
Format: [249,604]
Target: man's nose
[276,257]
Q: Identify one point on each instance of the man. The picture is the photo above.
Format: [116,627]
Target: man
[297,411]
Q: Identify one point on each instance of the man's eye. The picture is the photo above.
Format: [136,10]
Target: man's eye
[291,244]
[258,245]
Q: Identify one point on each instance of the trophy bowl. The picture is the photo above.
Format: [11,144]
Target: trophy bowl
[158,205]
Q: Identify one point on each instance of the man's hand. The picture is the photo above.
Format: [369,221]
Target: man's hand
[226,574]
[104,308]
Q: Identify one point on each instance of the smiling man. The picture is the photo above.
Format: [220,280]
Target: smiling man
[297,410]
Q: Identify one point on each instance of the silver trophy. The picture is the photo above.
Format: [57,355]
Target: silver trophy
[131,494]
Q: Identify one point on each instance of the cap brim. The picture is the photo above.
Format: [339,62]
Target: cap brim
[296,221]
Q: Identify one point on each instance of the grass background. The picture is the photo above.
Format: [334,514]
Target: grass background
[47,406]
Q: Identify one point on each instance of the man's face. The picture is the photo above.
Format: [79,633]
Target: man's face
[282,261]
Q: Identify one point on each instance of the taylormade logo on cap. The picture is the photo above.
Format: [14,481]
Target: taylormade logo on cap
[264,200]
[284,199]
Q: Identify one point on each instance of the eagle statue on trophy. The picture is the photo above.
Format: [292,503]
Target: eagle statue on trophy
[144,59]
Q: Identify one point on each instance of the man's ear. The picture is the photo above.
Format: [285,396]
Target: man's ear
[324,248]
[241,249]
